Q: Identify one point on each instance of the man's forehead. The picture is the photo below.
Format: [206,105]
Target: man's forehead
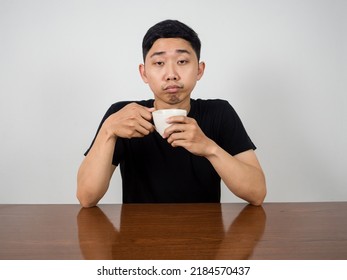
[167,46]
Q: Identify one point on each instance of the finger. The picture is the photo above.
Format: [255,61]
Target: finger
[179,143]
[175,136]
[140,125]
[174,129]
[150,109]
[146,112]
[141,120]
[144,129]
[148,126]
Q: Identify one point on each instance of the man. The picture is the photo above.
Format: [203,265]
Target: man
[196,152]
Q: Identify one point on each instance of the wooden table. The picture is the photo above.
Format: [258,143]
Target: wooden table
[284,231]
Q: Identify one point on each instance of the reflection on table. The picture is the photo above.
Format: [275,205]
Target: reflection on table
[173,232]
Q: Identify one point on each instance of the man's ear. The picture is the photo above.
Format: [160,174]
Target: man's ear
[143,73]
[201,70]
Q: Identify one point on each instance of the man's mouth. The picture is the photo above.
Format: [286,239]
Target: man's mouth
[172,88]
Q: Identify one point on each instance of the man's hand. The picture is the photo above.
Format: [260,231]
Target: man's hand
[241,173]
[131,121]
[185,132]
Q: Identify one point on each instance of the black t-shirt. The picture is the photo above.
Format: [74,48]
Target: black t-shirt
[155,172]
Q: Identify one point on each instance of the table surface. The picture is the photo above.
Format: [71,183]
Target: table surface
[282,231]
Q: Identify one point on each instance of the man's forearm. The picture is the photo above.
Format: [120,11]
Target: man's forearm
[242,174]
[95,172]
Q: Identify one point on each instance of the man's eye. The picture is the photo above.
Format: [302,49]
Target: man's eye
[159,63]
[182,62]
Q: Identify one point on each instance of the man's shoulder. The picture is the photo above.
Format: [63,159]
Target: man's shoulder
[210,104]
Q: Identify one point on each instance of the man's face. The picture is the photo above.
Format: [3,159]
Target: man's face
[171,70]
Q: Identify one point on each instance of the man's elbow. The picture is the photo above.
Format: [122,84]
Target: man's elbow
[257,202]
[259,198]
[86,200]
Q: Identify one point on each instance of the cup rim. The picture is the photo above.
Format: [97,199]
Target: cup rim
[163,111]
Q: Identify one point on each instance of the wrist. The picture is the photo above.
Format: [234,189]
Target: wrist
[106,135]
[211,150]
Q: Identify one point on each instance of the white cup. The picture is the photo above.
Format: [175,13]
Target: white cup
[160,117]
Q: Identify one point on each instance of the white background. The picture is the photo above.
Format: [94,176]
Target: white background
[281,64]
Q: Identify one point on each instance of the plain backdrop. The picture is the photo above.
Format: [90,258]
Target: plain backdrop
[281,64]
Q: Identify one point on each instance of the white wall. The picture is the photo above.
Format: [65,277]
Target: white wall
[281,64]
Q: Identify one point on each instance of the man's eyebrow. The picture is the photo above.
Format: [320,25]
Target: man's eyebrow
[183,51]
[157,53]
[163,52]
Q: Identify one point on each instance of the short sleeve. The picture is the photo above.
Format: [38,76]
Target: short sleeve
[233,135]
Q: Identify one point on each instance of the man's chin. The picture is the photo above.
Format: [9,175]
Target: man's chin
[174,100]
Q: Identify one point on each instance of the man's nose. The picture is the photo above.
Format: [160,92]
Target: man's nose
[171,74]
[171,77]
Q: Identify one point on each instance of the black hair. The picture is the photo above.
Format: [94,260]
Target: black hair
[170,29]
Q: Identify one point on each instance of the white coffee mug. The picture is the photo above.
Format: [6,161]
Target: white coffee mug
[160,117]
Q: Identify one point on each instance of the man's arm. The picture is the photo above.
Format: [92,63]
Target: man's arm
[241,173]
[96,170]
